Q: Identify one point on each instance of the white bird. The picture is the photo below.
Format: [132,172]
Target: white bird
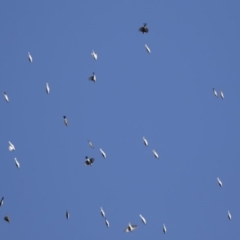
[107,223]
[130,228]
[65,120]
[229,215]
[17,163]
[143,219]
[145,141]
[102,212]
[103,153]
[1,202]
[30,57]
[67,215]
[90,144]
[47,88]
[219,182]
[94,55]
[221,94]
[93,77]
[155,154]
[164,228]
[6,96]
[11,147]
[147,48]
[215,92]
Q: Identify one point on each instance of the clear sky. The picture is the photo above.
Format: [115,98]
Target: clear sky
[165,96]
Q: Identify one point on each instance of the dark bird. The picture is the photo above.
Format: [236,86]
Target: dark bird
[89,161]
[67,215]
[93,77]
[144,28]
[65,120]
[7,219]
[1,202]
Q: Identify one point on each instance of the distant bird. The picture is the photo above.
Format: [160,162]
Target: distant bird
[1,202]
[6,96]
[17,163]
[90,144]
[147,48]
[103,153]
[215,92]
[93,77]
[229,215]
[144,28]
[155,154]
[47,88]
[164,228]
[65,120]
[89,161]
[30,57]
[145,141]
[102,212]
[107,222]
[221,94]
[67,215]
[11,147]
[7,219]
[130,228]
[94,55]
[219,182]
[143,219]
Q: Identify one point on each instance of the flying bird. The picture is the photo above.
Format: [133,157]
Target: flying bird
[94,55]
[89,161]
[107,222]
[147,48]
[1,202]
[102,212]
[103,153]
[47,88]
[7,219]
[65,120]
[144,28]
[6,96]
[229,215]
[221,94]
[90,144]
[130,228]
[164,228]
[67,215]
[143,219]
[145,141]
[17,163]
[11,147]
[30,57]
[215,92]
[93,77]
[219,182]
[155,154]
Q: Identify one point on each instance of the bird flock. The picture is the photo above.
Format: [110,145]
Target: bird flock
[89,161]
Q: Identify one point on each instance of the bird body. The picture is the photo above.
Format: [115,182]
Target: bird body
[30,57]
[219,182]
[67,215]
[17,163]
[147,48]
[94,55]
[164,229]
[221,94]
[47,88]
[215,93]
[107,223]
[103,153]
[130,228]
[89,161]
[93,77]
[145,141]
[65,120]
[102,212]
[143,219]
[155,154]
[229,215]
[6,96]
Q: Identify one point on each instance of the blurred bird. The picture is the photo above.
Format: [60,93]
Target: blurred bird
[30,57]
[144,28]
[89,161]
[107,222]
[17,163]
[90,144]
[94,55]
[130,228]
[147,48]
[11,147]
[155,154]
[143,219]
[164,228]
[67,215]
[7,219]
[221,94]
[229,215]
[103,153]
[47,88]
[145,141]
[65,120]
[219,182]
[93,77]
[102,212]
[6,96]
[1,202]
[215,92]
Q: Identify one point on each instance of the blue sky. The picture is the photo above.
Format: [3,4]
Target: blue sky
[165,96]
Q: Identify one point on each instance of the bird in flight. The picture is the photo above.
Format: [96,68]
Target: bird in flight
[6,96]
[103,153]
[89,161]
[67,215]
[102,212]
[215,92]
[145,141]
[219,182]
[143,219]
[30,57]
[47,88]
[7,219]
[147,48]
[65,120]
[155,154]
[93,77]
[90,144]
[130,228]
[1,202]
[94,55]
[164,229]
[17,163]
[11,147]
[144,28]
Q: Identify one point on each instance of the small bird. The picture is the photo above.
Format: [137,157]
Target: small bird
[164,228]
[102,212]
[90,144]
[67,215]
[219,182]
[94,55]
[93,77]
[7,219]
[1,202]
[143,219]
[17,163]
[229,215]
[215,92]
[147,48]
[221,94]
[145,141]
[103,153]
[89,161]
[11,147]
[6,96]
[130,228]
[144,28]
[107,222]
[155,154]
[30,57]
[47,88]
[65,120]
